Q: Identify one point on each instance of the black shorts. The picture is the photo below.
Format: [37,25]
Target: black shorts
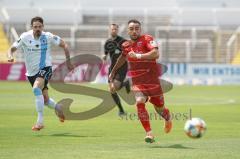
[121,73]
[44,73]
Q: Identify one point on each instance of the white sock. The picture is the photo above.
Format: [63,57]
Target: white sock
[51,103]
[40,107]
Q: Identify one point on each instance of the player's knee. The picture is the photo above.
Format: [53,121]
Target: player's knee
[112,90]
[140,100]
[117,85]
[157,102]
[37,91]
[38,83]
[117,88]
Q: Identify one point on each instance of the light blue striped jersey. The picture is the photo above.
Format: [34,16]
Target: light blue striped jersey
[37,52]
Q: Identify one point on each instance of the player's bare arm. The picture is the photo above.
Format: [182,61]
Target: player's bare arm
[121,60]
[153,54]
[104,57]
[10,54]
[67,54]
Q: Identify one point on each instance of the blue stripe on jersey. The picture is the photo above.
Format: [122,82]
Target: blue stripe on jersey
[43,42]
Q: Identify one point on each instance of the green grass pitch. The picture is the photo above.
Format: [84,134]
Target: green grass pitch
[111,137]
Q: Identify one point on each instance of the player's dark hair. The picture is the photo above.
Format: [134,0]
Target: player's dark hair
[113,24]
[37,19]
[134,21]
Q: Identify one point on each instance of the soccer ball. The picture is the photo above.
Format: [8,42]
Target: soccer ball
[195,128]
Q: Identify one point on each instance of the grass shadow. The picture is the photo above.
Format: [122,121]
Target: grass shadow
[67,135]
[175,146]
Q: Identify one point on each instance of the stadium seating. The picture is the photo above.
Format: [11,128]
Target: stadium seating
[4,45]
[184,34]
[236,59]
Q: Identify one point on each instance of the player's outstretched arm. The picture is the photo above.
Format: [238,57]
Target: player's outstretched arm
[10,54]
[67,54]
[121,60]
[65,48]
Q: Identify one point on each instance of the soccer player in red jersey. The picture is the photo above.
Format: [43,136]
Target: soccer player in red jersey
[141,52]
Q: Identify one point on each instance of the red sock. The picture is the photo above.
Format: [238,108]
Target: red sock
[166,114]
[143,116]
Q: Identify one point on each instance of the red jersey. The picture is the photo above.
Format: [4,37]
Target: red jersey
[144,73]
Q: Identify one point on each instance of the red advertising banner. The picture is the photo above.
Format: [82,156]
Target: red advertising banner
[16,72]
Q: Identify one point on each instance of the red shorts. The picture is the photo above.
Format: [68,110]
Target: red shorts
[152,92]
[157,101]
[149,90]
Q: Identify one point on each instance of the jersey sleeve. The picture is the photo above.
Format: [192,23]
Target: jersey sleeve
[17,44]
[56,40]
[126,48]
[120,43]
[150,42]
[106,51]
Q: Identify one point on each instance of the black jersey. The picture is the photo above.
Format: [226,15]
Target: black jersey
[112,48]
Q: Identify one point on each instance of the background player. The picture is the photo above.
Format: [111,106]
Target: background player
[36,46]
[112,47]
[141,53]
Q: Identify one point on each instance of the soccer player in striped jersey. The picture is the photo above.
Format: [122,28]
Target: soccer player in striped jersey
[36,45]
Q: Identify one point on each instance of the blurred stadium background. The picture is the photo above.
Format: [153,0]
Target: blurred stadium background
[189,32]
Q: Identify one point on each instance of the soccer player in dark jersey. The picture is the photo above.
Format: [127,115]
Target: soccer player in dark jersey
[112,48]
[141,52]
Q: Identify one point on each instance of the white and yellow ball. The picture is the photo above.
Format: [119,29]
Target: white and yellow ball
[195,127]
